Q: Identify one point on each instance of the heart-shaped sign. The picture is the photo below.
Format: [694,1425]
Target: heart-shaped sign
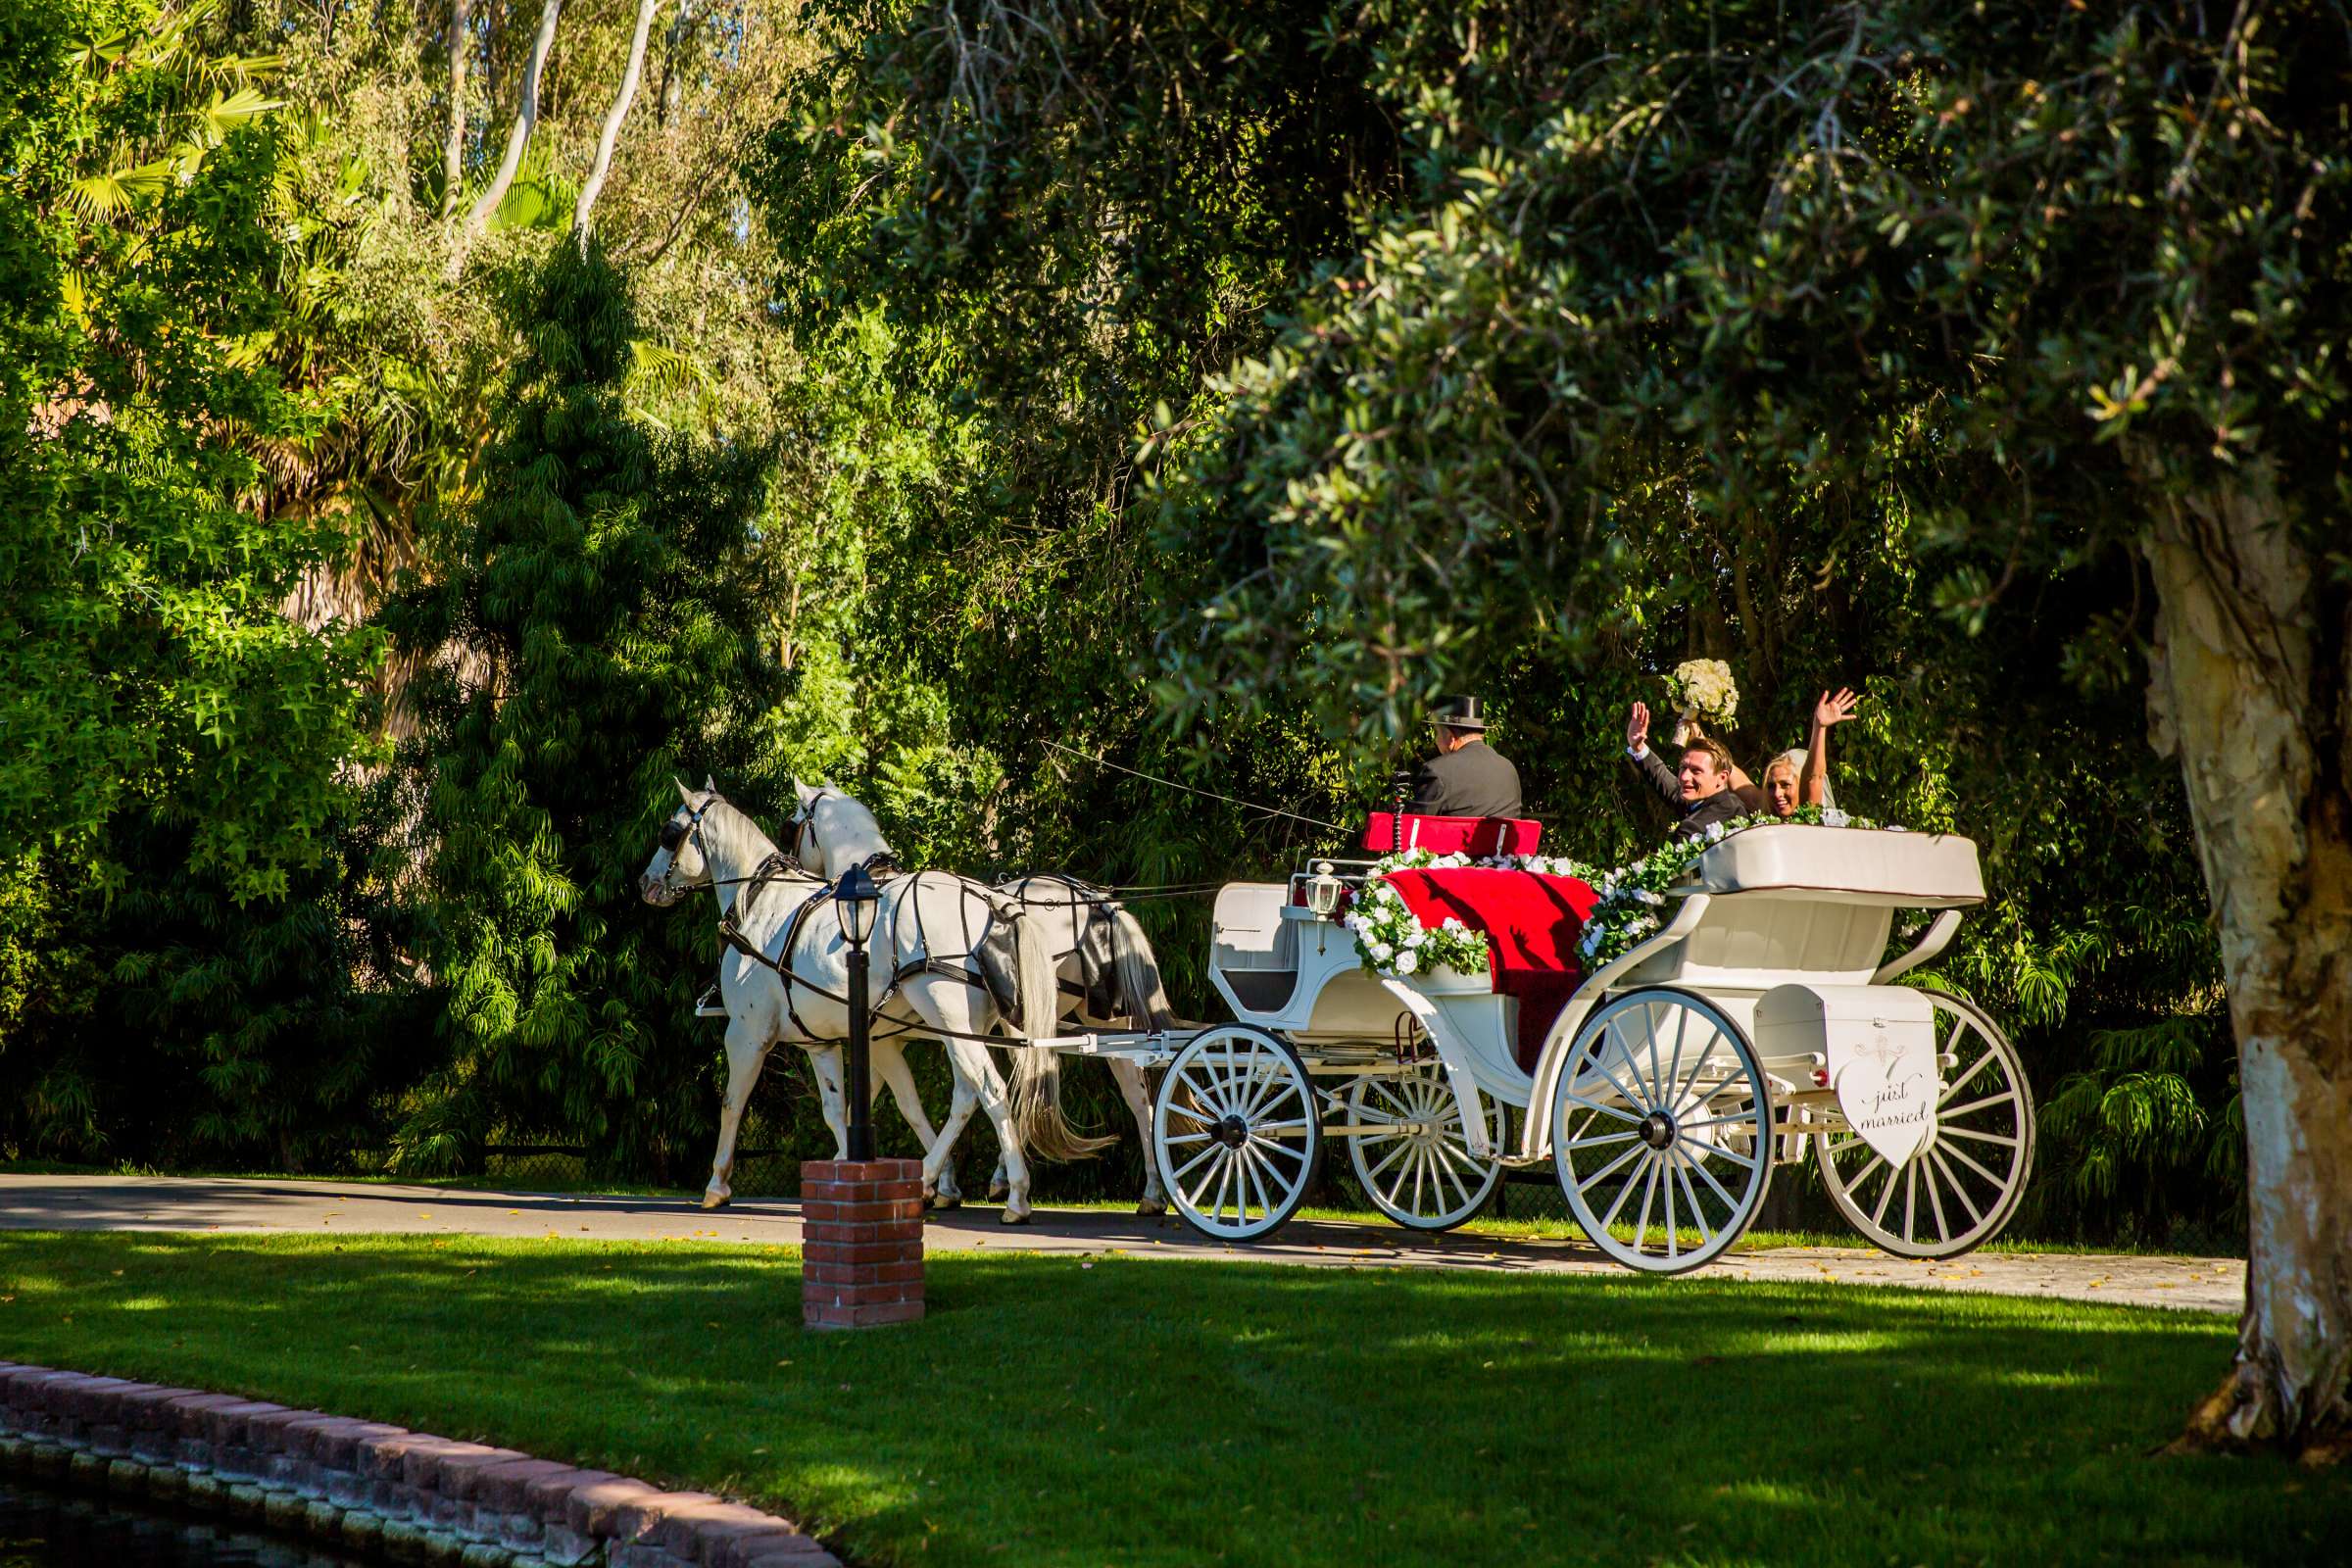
[1885,1077]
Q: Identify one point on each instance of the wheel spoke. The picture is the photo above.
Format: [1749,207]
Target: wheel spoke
[1707,1237]
[1260,1141]
[1943,1227]
[1650,1191]
[1605,1111]
[2002,1139]
[1976,1067]
[1403,1148]
[1963,1156]
[1624,1191]
[1975,1215]
[1627,1094]
[1250,1178]
[1193,1164]
[1910,1196]
[1200,1189]
[1669,1166]
[1682,1027]
[1699,1064]
[1743,1161]
[1595,1139]
[1877,1215]
[1730,1204]
[2005,1097]
[1188,1137]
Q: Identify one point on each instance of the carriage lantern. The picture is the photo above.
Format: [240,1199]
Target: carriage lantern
[1323,890]
[856,896]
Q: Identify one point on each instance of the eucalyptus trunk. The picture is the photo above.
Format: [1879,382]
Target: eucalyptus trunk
[526,118]
[453,151]
[609,136]
[2250,690]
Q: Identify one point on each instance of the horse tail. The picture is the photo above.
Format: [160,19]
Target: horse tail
[1140,987]
[1037,1073]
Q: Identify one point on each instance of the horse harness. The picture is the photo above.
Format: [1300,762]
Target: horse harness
[993,949]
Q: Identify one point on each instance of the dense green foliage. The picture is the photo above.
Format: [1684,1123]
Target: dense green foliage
[1192,385]
[597,596]
[1338,1414]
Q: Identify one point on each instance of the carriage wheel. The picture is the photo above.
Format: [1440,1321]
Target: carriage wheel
[1236,1131]
[1418,1169]
[1661,1130]
[1970,1175]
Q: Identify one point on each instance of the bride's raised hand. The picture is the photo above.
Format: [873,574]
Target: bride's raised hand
[1835,709]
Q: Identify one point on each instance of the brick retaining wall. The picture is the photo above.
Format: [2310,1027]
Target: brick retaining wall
[377,1490]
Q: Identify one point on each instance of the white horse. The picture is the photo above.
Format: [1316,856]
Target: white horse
[786,978]
[1105,969]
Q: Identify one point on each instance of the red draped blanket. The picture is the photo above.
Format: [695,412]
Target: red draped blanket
[1532,924]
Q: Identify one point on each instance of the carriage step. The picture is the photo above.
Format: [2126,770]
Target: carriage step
[709,1007]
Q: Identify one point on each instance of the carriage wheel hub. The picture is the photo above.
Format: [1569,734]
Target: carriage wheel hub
[1232,1132]
[1657,1130]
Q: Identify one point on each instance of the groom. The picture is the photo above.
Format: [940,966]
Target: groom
[1700,791]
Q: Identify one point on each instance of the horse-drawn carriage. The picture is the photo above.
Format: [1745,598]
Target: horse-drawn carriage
[1755,1028]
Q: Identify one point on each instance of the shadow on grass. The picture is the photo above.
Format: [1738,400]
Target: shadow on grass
[1054,1410]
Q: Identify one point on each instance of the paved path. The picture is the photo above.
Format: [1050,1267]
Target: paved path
[181,1203]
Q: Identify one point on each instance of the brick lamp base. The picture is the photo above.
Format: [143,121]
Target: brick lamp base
[862,1242]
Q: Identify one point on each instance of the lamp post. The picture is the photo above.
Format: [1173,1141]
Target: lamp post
[855,894]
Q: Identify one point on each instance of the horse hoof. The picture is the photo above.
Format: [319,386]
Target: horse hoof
[1009,1218]
[997,1191]
[946,1201]
[1152,1207]
[715,1200]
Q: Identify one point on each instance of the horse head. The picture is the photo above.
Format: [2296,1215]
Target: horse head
[832,832]
[680,864]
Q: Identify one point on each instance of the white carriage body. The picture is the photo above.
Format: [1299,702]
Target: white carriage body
[1777,945]
[1767,907]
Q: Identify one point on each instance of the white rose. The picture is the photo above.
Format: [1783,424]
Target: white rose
[1830,816]
[1714,832]
[1407,963]
[1382,952]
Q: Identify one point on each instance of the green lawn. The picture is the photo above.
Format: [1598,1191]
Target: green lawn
[1142,1412]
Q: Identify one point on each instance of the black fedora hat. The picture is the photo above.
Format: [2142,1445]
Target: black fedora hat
[1459,713]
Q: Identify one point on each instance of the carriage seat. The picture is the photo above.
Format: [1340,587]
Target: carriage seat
[1533,925]
[1478,836]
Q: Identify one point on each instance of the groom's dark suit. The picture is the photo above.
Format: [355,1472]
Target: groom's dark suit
[1696,815]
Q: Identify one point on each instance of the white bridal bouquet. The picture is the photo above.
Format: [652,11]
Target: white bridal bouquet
[1702,688]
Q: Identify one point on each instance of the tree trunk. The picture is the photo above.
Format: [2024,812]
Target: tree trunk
[453,152]
[610,136]
[2249,689]
[526,117]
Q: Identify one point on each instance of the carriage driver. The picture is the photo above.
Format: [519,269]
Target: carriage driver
[1467,777]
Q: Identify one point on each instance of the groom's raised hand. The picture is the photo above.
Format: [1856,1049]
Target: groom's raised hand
[1637,727]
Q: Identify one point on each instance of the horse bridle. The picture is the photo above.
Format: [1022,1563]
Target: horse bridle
[804,823]
[675,834]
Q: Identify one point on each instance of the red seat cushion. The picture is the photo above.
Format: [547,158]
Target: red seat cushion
[1480,836]
[1533,925]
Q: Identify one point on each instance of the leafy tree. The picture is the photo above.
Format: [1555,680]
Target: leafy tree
[2015,293]
[595,592]
[185,980]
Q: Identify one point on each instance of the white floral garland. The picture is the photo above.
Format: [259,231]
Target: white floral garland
[1631,894]
[1391,940]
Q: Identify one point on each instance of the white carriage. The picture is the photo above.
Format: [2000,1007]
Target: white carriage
[1757,1028]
